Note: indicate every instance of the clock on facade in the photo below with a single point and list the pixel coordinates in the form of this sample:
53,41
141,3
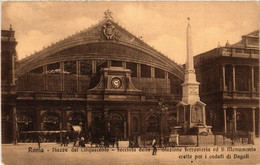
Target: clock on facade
116,83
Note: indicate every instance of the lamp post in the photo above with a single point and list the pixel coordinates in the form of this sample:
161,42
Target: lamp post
163,112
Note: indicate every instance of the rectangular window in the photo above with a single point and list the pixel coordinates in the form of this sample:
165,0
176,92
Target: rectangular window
238,50
253,41
133,67
37,70
247,51
86,67
70,67
229,50
54,68
116,63
145,71
101,64
159,73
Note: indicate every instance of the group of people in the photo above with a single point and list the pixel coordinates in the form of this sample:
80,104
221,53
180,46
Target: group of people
104,142
80,142
65,140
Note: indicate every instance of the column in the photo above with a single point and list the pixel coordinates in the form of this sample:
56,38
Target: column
124,130
139,74
64,122
235,118
13,70
153,76
161,124
224,77
62,75
225,119
38,120
129,122
78,73
94,66
107,126
60,130
258,123
253,119
41,125
166,79
252,79
234,78
178,115
45,76
139,70
14,125
108,63
89,118
152,72
124,64
204,115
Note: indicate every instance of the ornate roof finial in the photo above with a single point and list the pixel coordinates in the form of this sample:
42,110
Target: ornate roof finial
108,14
219,45
10,27
227,44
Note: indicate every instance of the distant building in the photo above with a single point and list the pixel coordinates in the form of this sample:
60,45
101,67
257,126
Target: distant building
8,102
229,78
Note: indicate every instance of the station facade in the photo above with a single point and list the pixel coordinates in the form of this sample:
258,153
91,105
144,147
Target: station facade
102,81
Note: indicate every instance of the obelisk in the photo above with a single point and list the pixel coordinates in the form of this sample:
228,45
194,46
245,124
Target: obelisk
190,87
191,116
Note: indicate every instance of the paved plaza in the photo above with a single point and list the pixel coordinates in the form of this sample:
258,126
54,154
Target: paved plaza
27,153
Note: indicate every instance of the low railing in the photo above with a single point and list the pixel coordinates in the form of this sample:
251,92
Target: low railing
50,95
240,94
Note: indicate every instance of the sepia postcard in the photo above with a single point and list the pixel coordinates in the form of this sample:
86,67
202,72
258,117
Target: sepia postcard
130,82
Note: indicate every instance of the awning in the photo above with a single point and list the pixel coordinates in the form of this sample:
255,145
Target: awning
76,128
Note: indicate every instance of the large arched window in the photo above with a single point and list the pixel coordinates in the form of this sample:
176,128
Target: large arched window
51,121
77,121
117,125
24,122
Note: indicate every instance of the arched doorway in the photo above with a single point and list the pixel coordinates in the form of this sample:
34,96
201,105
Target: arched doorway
25,124
153,125
97,128
117,126
77,121
51,126
51,121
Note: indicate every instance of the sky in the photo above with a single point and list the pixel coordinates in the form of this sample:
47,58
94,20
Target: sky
160,24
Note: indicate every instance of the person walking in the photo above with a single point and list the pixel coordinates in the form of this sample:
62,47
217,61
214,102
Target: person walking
154,146
82,142
63,141
67,140
162,142
39,141
76,142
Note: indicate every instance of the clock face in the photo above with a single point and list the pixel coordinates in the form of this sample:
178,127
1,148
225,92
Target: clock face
116,82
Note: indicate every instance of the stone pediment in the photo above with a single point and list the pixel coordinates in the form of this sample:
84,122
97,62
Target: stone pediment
110,31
